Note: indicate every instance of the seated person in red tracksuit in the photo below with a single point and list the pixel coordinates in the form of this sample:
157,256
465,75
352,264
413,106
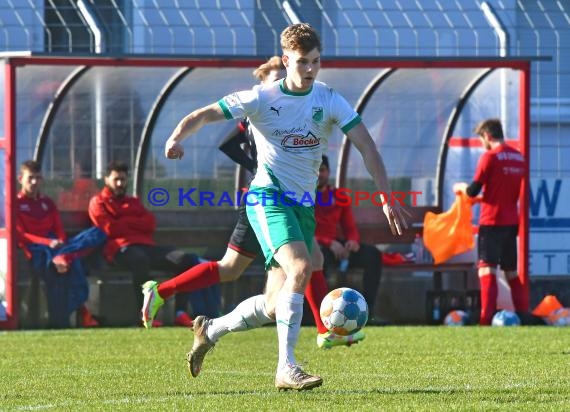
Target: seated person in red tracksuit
130,227
54,258
338,237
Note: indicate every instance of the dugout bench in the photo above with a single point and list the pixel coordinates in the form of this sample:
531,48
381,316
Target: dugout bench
206,232
111,299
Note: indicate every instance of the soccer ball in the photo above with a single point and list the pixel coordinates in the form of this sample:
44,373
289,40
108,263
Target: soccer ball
344,311
506,318
560,317
456,318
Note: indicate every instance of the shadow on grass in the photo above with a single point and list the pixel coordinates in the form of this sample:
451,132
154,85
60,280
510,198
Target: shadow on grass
320,390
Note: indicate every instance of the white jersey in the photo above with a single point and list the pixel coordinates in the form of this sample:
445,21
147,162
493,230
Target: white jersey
291,132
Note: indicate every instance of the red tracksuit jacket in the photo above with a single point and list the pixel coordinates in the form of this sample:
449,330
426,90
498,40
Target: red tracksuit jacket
124,220
37,221
334,221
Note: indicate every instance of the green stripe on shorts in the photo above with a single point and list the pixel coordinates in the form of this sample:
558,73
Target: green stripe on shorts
277,220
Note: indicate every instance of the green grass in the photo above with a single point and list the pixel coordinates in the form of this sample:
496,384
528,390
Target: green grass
395,368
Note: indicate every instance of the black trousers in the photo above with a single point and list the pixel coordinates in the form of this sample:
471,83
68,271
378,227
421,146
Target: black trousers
141,259
368,258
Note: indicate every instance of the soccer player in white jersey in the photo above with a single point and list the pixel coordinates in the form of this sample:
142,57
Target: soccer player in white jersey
242,248
292,121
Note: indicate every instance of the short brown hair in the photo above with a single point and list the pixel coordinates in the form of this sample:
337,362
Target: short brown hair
491,126
274,63
117,166
31,166
300,37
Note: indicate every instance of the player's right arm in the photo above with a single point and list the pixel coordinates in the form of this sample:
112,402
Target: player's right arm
189,125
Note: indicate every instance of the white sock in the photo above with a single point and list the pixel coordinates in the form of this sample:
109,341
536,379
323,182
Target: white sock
249,314
288,314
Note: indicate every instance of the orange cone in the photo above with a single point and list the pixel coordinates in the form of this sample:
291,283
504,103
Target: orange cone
548,305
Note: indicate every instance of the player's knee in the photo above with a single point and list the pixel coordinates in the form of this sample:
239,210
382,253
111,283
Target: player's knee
302,271
232,265
270,303
229,273
317,260
270,310
485,269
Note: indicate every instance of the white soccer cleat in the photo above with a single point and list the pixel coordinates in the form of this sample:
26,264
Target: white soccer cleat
294,378
202,345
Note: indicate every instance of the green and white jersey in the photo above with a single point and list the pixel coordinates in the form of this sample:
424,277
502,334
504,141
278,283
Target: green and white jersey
291,132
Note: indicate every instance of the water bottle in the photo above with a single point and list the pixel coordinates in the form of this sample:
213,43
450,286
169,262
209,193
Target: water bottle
436,312
341,273
343,266
418,249
426,254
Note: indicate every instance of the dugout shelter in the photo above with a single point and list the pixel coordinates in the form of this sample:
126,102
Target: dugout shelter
74,114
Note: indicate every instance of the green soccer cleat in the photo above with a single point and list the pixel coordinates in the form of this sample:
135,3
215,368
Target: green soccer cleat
151,304
329,340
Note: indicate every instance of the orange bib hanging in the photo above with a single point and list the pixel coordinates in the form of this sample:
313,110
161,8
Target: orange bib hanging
449,233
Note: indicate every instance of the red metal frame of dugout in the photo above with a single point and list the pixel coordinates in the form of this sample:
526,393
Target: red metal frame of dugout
9,141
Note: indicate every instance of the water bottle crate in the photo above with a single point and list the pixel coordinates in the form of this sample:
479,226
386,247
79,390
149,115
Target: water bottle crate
440,302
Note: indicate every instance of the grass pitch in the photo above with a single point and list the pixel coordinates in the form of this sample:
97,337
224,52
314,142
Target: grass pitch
395,368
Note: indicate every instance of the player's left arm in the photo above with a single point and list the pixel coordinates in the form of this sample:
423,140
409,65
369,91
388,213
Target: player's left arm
361,139
481,176
189,125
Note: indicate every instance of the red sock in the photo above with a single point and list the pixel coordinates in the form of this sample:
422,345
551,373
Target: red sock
316,290
518,294
83,311
87,320
489,293
197,277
